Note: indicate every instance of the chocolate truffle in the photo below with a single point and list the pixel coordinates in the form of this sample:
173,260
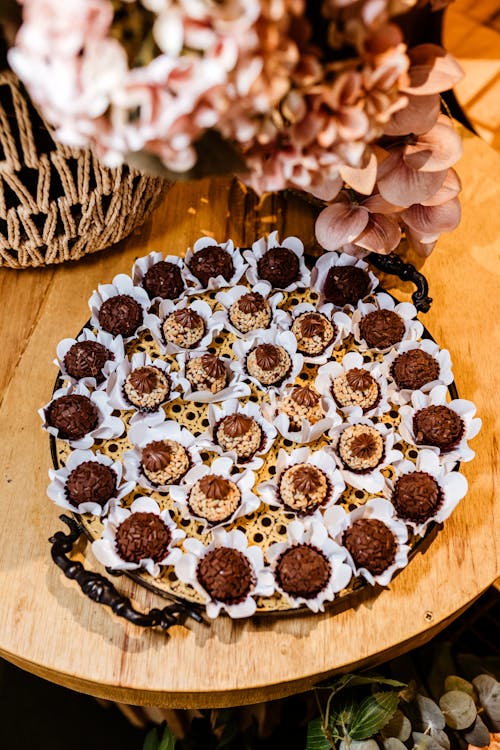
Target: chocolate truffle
356,387
303,571
226,575
249,312
142,536
361,448
314,333
207,373
438,425
184,327
382,329
211,262
371,544
73,415
414,368
346,285
120,314
303,488
280,266
301,403
269,364
164,461
240,434
85,359
214,498
90,481
164,280
416,496
147,388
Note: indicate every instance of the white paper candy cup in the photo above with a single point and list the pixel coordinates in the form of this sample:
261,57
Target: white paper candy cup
236,388
341,321
57,487
308,432
279,318
105,550
244,480
107,425
337,520
402,396
213,323
382,301
142,266
216,282
311,532
331,259
329,372
285,339
263,585
117,380
121,284
113,343
260,248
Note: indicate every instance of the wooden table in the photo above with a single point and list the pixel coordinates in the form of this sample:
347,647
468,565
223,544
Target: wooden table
49,628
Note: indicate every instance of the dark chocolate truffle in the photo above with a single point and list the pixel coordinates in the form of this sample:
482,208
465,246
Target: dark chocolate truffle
142,536
120,314
382,328
90,481
346,285
226,575
211,262
414,368
73,415
416,496
85,359
303,571
280,266
164,280
371,544
438,425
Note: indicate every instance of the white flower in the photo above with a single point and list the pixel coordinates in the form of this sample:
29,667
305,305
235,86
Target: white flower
212,323
261,246
279,318
260,584
327,261
401,396
452,487
406,311
57,487
284,339
321,459
337,520
339,320
352,360
235,387
222,466
312,534
117,380
308,432
107,426
142,266
107,552
437,397
215,282
121,285
113,343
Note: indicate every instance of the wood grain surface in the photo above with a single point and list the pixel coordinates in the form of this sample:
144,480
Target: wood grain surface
49,628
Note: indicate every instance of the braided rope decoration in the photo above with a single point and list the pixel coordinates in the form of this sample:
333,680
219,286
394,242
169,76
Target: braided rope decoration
59,203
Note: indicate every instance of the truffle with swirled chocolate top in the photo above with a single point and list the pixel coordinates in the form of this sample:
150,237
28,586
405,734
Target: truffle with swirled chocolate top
303,488
184,327
147,388
356,387
250,311
269,364
301,403
207,373
164,462
214,498
361,448
314,333
239,434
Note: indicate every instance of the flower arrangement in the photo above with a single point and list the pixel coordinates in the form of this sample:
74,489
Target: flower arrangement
322,97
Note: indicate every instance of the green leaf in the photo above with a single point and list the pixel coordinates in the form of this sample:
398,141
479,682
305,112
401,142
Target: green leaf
356,680
151,741
372,714
168,739
316,739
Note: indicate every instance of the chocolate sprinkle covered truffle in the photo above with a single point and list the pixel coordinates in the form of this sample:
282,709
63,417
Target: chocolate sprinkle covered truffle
85,359
184,327
438,425
164,461
303,488
120,314
414,369
416,496
147,388
371,544
314,333
207,373
164,279
301,403
90,481
214,498
210,262
382,329
361,448
346,285
249,312
226,575
303,571
142,536
269,364
280,266
73,415
356,387
240,434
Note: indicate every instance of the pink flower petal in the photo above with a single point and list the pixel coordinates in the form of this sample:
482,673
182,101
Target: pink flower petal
421,247
432,70
399,184
328,189
436,150
362,180
339,224
419,116
378,205
381,235
428,220
449,189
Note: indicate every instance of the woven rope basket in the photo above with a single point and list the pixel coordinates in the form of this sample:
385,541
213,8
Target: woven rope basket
59,203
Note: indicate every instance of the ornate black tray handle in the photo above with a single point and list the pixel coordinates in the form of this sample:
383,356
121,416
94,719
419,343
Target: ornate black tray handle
99,589
394,265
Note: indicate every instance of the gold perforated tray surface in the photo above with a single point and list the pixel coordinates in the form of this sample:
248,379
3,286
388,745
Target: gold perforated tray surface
267,524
